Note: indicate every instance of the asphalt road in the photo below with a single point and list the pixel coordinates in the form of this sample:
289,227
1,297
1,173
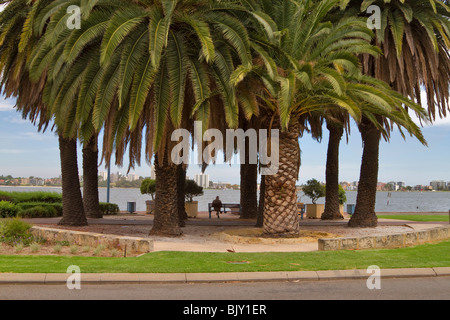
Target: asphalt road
428,288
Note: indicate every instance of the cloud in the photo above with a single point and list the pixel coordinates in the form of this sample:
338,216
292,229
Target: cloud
4,106
439,122
12,151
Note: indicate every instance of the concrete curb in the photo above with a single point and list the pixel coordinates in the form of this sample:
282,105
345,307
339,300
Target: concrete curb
141,278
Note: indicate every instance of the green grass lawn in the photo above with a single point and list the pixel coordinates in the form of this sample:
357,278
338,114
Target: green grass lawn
427,255
415,217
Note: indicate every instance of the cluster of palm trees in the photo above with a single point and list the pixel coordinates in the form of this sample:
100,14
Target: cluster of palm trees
136,70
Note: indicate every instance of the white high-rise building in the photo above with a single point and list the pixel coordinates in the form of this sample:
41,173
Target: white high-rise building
104,175
132,177
202,180
152,172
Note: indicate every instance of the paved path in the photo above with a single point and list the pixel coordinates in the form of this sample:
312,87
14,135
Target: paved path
226,220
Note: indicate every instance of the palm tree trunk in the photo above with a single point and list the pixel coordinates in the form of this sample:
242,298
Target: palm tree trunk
365,216
181,182
73,211
280,204
249,189
90,180
332,211
166,222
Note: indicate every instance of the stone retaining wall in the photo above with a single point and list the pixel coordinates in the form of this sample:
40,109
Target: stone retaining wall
398,240
132,244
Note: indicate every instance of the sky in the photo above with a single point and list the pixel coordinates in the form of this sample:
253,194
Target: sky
24,152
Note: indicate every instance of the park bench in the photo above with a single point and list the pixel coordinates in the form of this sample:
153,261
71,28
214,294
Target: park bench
233,208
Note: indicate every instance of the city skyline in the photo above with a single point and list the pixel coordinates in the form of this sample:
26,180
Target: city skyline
25,152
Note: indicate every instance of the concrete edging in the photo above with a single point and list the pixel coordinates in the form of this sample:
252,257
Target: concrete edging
148,278
398,240
132,244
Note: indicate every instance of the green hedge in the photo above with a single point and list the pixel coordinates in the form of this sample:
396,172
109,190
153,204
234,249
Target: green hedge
34,196
38,212
39,204
57,207
8,209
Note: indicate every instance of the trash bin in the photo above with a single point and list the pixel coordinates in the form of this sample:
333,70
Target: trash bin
350,209
131,207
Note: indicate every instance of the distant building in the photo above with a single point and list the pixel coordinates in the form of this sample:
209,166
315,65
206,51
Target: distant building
438,185
103,175
401,184
202,180
132,177
221,185
152,172
381,186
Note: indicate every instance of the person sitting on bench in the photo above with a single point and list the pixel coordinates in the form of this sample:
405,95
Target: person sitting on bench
217,205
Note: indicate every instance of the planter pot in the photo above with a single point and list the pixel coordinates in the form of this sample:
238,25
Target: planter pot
191,209
150,204
314,211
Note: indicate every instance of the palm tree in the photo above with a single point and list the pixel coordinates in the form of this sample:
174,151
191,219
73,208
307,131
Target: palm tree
143,67
414,38
16,45
336,131
308,64
303,57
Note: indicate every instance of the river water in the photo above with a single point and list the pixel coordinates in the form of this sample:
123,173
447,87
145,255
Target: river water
398,202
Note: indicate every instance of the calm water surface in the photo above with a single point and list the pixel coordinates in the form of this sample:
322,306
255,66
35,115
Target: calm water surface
398,202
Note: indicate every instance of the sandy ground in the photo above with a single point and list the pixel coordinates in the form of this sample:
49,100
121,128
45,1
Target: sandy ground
214,238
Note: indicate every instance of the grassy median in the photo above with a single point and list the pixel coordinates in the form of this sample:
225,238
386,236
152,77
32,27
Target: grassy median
427,255
416,217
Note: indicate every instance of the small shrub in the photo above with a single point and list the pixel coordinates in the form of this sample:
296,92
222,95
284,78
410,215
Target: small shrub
314,190
191,190
148,186
38,212
57,248
63,243
109,208
73,249
18,247
15,231
99,249
35,247
114,252
8,209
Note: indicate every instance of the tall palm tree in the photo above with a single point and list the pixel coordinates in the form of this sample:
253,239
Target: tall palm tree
17,43
307,64
143,67
414,38
302,56
336,132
